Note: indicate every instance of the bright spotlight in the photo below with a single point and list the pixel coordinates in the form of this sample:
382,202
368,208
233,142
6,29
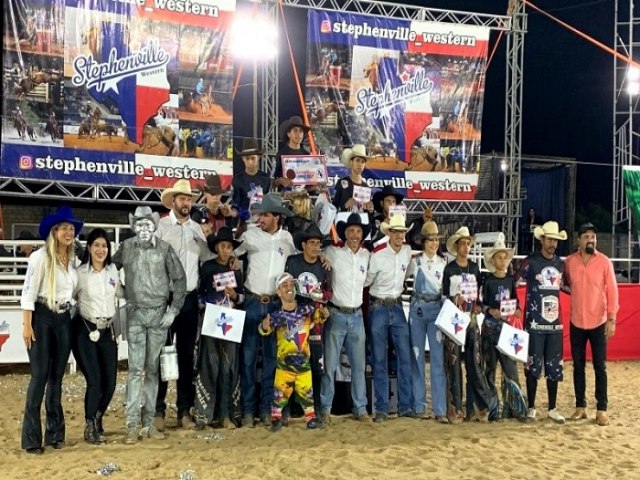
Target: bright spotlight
633,81
503,165
253,38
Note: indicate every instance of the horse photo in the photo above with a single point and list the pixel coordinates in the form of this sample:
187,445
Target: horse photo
159,140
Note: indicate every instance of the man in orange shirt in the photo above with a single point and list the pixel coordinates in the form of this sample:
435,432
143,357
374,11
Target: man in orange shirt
594,303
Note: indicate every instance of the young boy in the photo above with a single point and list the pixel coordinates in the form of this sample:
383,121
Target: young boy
498,290
216,360
292,324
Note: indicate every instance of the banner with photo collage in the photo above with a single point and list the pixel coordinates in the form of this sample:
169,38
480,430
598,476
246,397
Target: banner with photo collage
410,91
114,92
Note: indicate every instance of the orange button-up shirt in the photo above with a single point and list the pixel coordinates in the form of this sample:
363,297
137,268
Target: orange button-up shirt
594,291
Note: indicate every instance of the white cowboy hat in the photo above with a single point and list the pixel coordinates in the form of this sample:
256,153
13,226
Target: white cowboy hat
181,187
550,229
349,154
498,246
396,223
462,232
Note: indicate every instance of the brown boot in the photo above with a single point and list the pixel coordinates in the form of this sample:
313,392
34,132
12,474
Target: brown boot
601,418
579,414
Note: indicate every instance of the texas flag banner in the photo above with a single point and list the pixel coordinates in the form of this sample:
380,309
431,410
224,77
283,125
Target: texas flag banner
410,91
223,323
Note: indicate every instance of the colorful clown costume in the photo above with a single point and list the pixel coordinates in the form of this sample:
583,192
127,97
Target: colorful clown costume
293,367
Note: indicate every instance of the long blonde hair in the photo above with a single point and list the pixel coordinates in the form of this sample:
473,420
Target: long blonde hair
51,252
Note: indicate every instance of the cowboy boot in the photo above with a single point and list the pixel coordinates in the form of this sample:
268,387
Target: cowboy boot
98,424
90,433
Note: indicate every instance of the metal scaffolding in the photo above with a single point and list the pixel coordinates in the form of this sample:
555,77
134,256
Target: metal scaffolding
626,118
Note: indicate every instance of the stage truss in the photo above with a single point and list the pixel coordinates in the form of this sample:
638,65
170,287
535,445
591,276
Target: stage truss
626,120
508,208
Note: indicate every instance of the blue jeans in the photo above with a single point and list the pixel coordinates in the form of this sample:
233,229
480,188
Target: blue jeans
251,339
422,323
384,321
343,329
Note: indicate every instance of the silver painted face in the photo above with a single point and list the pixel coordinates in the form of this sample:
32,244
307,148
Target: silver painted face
144,229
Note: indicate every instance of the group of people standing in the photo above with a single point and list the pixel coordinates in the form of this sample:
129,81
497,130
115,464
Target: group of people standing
305,301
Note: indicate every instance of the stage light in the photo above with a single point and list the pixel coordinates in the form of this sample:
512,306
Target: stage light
503,165
633,81
253,38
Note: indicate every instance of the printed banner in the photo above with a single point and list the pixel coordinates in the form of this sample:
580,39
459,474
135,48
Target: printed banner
115,92
410,91
632,189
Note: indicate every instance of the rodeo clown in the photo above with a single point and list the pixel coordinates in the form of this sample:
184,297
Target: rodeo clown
151,266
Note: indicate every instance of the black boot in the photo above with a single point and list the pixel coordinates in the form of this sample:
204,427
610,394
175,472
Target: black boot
90,433
98,423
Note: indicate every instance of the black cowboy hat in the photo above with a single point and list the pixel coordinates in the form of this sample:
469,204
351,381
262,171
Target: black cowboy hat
250,146
26,235
225,234
353,220
387,191
213,185
302,236
288,124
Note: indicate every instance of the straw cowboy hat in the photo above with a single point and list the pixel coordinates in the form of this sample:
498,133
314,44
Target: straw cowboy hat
272,203
498,246
462,232
387,191
181,187
429,230
142,213
302,236
213,185
62,215
396,224
354,220
550,229
349,154
250,146
225,234
288,124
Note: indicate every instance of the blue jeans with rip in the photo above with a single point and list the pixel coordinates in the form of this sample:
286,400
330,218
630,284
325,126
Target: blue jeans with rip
344,329
422,324
386,320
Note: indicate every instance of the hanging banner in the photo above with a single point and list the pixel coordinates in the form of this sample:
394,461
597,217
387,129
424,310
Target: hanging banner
632,189
410,91
114,92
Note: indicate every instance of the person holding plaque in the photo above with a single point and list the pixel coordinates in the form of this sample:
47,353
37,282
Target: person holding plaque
352,192
292,132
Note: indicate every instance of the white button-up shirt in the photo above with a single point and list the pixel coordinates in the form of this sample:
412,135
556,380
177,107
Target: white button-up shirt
432,269
189,243
388,271
267,254
349,272
96,291
36,285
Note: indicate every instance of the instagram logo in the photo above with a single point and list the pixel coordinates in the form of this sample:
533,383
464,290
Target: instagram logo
325,26
26,163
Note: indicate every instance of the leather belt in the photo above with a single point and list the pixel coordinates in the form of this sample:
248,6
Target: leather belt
387,302
347,310
58,307
264,299
427,298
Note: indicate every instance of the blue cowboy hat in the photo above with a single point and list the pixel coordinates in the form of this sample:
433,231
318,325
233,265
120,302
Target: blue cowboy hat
62,215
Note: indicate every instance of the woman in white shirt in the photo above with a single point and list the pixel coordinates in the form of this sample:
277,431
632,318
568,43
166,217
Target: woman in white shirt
45,302
93,338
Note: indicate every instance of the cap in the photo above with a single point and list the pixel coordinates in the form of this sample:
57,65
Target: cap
585,227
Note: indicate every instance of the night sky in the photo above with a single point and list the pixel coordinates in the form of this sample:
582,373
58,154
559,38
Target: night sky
568,86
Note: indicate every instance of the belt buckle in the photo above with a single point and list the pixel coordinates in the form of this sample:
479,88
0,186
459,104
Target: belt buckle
264,299
389,302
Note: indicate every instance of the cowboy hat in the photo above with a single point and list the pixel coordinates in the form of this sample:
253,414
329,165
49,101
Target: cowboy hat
396,224
550,229
225,234
288,124
62,215
26,235
302,236
181,187
354,220
387,191
213,185
429,230
462,232
250,146
272,203
142,213
498,246
349,154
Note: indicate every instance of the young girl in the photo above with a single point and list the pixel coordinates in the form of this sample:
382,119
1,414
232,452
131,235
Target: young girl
46,302
93,339
217,360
